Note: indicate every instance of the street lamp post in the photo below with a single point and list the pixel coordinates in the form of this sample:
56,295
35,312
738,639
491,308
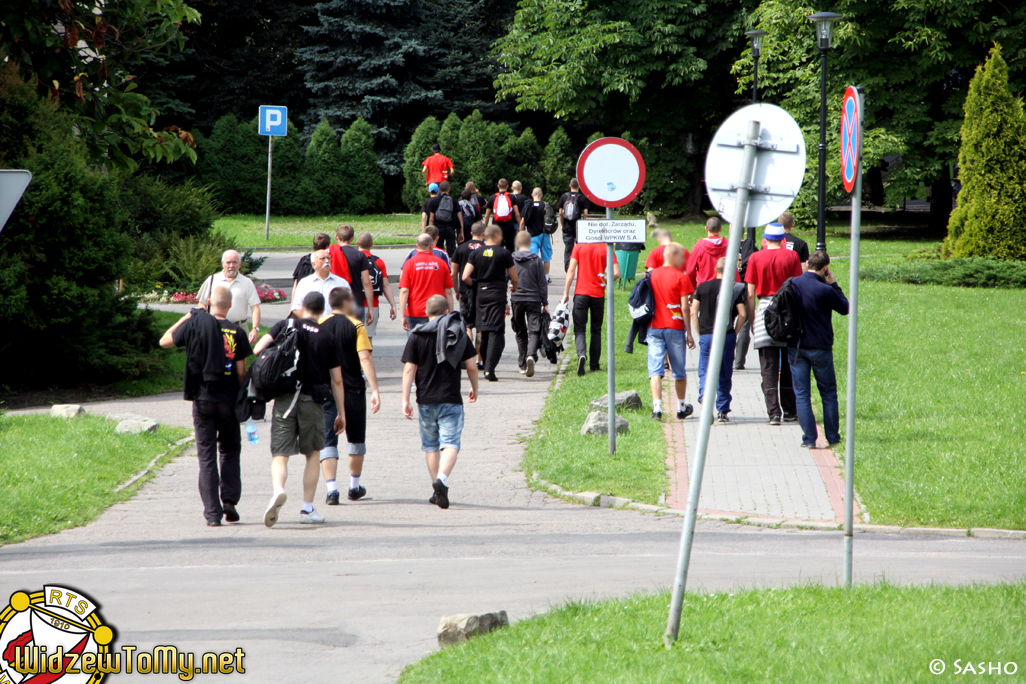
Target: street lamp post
824,22
756,37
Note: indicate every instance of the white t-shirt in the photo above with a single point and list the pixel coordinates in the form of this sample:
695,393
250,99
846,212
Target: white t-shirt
244,295
313,283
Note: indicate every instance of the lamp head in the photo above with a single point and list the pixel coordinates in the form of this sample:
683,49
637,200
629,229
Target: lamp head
824,22
756,37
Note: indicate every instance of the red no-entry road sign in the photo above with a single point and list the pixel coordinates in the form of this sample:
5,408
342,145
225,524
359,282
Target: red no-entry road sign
611,172
851,137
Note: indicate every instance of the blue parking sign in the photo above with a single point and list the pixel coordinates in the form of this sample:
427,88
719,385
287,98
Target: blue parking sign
273,120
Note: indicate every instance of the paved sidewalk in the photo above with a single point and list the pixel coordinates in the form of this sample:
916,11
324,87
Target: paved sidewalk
754,469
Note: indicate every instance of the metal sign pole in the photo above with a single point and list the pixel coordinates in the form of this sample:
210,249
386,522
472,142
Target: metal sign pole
853,326
267,214
723,303
611,339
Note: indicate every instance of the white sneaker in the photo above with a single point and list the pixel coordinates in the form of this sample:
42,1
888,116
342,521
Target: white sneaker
271,514
311,518
523,371
530,367
548,279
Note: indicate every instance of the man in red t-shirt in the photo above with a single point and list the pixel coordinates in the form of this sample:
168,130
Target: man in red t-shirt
366,243
767,270
588,267
670,329
702,262
423,275
656,257
437,167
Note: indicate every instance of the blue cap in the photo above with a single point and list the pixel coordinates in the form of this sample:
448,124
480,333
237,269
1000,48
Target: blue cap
433,187
773,232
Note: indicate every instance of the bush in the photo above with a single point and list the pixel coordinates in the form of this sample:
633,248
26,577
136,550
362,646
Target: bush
990,220
153,205
364,187
417,150
449,141
558,164
522,156
934,253
322,169
972,272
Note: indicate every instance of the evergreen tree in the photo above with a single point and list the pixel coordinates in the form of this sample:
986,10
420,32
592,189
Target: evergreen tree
288,196
365,190
322,171
417,150
990,220
367,58
231,165
522,157
474,147
449,140
558,164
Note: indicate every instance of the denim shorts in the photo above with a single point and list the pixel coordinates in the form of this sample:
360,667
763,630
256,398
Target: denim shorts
441,426
542,246
662,343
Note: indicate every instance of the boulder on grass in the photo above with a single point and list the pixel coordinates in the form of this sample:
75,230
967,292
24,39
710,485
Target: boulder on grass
66,411
597,423
454,629
629,400
135,427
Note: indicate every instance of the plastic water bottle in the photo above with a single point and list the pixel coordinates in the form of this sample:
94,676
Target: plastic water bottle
251,432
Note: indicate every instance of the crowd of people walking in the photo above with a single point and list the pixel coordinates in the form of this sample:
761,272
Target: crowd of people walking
477,263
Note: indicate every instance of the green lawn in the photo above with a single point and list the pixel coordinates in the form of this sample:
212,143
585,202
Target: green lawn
871,633
298,231
559,453
61,473
941,416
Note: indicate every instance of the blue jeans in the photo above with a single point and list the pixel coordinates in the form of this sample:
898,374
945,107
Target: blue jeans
726,369
805,363
663,343
441,426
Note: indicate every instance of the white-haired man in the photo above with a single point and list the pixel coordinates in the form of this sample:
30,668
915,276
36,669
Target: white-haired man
245,300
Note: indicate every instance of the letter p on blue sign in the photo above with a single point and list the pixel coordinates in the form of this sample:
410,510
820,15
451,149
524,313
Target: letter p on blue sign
273,120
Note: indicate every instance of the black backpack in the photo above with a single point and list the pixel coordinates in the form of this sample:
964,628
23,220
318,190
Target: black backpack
571,208
376,277
275,371
745,253
446,207
469,211
642,300
551,225
783,317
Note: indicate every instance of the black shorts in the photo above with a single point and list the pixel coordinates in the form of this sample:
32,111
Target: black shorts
356,422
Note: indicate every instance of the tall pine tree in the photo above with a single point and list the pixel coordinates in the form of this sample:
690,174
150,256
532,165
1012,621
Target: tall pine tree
365,190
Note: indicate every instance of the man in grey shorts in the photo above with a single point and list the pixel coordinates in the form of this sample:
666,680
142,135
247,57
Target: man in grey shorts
297,423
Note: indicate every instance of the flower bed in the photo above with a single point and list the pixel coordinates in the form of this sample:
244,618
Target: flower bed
267,294
270,294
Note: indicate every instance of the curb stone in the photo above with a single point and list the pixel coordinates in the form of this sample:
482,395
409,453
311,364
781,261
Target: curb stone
156,459
936,531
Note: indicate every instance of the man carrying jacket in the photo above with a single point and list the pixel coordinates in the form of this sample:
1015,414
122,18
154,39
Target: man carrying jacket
529,300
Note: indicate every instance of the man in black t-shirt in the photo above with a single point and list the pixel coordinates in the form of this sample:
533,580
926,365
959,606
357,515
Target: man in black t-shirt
297,423
358,266
571,207
703,317
793,242
218,349
433,192
502,207
491,267
444,212
440,405
466,293
305,265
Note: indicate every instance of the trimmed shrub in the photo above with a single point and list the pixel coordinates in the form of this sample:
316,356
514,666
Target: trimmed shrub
972,272
449,140
474,147
364,187
322,170
152,205
558,162
234,164
990,220
417,150
521,156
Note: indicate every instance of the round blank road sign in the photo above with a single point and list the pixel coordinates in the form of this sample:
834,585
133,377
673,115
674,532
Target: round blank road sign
611,172
779,164
851,134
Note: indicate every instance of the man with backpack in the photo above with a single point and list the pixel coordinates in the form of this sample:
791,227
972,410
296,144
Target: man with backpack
379,280
571,207
297,423
355,348
476,200
350,264
536,212
503,209
817,295
669,332
530,299
492,269
305,265
703,314
444,212
437,376
432,193
321,281
519,198
245,299
437,167
767,270
466,293
215,364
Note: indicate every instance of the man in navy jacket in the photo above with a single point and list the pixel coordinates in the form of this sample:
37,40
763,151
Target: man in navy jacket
818,296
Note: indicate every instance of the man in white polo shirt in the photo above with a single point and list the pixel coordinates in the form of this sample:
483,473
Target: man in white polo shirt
244,295
322,280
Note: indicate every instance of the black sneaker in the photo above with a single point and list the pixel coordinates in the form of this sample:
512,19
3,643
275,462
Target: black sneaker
722,417
358,493
774,420
480,366
658,415
686,411
332,499
741,367
581,360
790,418
490,377
230,513
441,494
433,499
213,523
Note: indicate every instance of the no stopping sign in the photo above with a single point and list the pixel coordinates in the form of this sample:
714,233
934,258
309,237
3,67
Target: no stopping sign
611,172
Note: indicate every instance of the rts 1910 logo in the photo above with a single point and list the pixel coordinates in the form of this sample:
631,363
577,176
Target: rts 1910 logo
56,634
